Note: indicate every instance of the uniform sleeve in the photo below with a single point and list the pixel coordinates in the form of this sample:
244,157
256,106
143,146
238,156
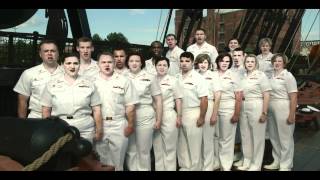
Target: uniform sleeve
95,98
177,89
46,97
265,83
23,85
291,83
202,87
131,96
155,87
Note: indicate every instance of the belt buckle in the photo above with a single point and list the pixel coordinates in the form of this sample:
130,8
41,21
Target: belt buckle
69,117
108,118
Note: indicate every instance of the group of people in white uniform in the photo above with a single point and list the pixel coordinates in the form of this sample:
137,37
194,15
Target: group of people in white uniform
185,105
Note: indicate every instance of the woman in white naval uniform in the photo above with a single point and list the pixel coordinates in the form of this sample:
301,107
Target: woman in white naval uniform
264,59
73,98
119,98
281,117
229,110
165,139
256,87
210,144
148,114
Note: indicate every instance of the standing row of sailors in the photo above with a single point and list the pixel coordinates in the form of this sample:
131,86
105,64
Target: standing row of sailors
185,105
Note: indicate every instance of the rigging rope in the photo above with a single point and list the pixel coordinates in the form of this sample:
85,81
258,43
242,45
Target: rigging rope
159,24
305,39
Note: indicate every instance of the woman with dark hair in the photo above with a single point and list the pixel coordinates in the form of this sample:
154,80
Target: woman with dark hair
229,110
148,113
73,98
165,139
233,43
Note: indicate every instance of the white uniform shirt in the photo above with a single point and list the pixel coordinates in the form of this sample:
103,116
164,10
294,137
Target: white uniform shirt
204,49
282,85
146,85
174,57
213,83
150,67
70,100
265,64
255,84
171,90
123,71
240,71
116,93
32,83
230,83
91,71
194,87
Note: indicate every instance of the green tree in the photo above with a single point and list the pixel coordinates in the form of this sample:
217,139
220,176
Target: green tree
117,38
96,37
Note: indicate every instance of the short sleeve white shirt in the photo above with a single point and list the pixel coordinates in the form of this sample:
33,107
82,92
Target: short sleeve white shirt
265,64
282,85
170,90
174,56
116,93
146,85
32,83
204,49
74,100
255,84
230,83
194,87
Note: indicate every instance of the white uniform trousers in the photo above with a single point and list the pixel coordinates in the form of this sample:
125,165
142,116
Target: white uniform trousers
140,142
208,150
35,114
165,142
113,147
227,133
252,133
190,141
281,134
216,145
85,125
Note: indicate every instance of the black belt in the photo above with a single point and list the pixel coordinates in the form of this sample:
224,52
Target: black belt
69,117
108,118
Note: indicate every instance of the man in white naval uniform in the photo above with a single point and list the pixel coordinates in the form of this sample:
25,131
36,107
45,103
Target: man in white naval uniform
118,97
194,108
33,80
202,47
119,55
88,66
173,54
156,51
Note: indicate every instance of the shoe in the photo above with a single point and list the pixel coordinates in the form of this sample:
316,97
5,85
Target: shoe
216,168
253,169
272,166
284,169
238,163
243,168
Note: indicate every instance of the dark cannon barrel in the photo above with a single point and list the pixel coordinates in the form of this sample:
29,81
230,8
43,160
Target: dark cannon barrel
26,140
13,17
